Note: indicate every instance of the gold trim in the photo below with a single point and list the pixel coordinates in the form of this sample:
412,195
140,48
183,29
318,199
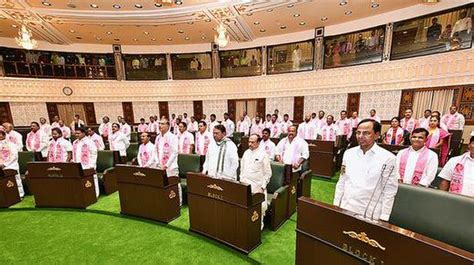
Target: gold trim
139,174
88,184
53,168
254,216
293,190
172,194
10,184
363,237
215,187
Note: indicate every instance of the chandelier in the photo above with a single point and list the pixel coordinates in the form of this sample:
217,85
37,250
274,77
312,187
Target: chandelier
222,38
25,39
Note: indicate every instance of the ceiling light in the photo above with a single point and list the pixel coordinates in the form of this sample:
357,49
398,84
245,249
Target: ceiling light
324,18
146,33
153,39
116,6
249,14
208,20
222,38
134,39
187,38
94,6
270,10
158,5
203,37
302,23
72,31
46,3
15,26
180,31
98,38
109,33
262,30
296,15
116,39
283,27
374,5
169,39
256,23
290,6
25,39
348,12
178,2
343,2
138,6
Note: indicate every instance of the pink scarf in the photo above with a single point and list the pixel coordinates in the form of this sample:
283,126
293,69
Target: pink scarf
59,152
346,127
166,150
274,130
434,138
458,175
354,122
5,153
451,120
142,128
144,155
33,137
408,125
206,144
295,148
306,133
419,167
112,138
332,133
106,130
12,139
85,153
398,135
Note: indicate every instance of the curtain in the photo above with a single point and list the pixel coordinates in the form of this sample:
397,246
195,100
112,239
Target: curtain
240,107
67,112
251,108
439,100
421,102
442,100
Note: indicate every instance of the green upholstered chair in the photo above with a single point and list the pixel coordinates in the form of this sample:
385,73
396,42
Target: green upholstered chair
437,181
283,135
237,137
277,197
304,180
188,163
106,160
436,214
134,137
73,137
132,152
23,158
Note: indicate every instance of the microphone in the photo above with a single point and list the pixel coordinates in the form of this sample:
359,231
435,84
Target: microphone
381,192
384,166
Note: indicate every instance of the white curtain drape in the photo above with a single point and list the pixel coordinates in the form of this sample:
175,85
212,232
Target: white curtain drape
439,100
421,102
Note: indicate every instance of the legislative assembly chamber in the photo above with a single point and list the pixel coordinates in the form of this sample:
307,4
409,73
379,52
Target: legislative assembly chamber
237,132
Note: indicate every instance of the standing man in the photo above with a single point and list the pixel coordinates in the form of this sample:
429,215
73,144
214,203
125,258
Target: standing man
319,121
307,130
408,123
213,123
119,142
229,125
45,127
255,170
453,120
166,145
285,123
354,119
373,116
344,125
59,149
77,123
66,131
105,127
125,128
243,126
193,125
292,150
222,159
98,141
330,131
458,173
275,127
152,125
247,118
55,121
142,127
146,152
368,181
85,152
9,160
13,136
36,140
267,144
203,139
185,139
425,121
417,165
257,126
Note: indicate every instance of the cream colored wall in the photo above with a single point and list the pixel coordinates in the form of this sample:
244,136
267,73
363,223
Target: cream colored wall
111,109
180,107
331,104
283,104
23,113
217,107
386,103
145,109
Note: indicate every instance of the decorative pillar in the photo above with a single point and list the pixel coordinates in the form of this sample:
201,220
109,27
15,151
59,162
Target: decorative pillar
387,49
119,64
318,48
216,65
169,66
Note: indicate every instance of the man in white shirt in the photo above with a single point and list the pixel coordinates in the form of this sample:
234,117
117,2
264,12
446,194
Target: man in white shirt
76,123
36,140
142,127
59,149
66,131
257,126
166,145
292,150
13,136
453,120
185,118
425,121
330,132
185,139
275,127
203,139
307,130
9,160
45,127
268,145
193,125
285,123
85,152
458,173
344,125
222,159
408,123
147,152
247,118
462,27
417,164
320,120
212,124
255,170
277,113
368,182
125,128
152,125
97,139
105,128
268,121
119,142
243,126
229,125
354,120
55,121
373,116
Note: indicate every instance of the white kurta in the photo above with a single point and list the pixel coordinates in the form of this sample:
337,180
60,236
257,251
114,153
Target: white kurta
307,130
126,130
211,126
55,125
17,139
345,127
185,140
9,158
275,130
454,121
424,122
243,127
105,129
193,126
229,127
468,179
361,177
58,149
167,152
85,152
37,142
66,132
46,128
142,127
203,140
429,173
329,132
153,127
119,142
409,124
285,125
257,129
292,152
375,118
147,155
98,141
224,167
269,147
318,123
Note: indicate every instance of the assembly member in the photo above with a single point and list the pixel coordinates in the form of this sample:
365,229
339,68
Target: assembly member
368,181
255,169
222,159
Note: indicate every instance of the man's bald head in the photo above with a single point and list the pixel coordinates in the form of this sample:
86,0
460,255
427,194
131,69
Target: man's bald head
254,141
8,126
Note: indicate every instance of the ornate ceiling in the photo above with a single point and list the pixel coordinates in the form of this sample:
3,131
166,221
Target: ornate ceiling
141,22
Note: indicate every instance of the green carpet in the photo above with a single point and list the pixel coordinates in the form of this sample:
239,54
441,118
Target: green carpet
101,235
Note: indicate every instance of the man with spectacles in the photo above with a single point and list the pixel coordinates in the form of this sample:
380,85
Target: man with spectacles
368,181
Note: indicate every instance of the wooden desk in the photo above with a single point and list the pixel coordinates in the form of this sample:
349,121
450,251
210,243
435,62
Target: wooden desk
225,211
148,193
61,184
326,234
322,158
9,194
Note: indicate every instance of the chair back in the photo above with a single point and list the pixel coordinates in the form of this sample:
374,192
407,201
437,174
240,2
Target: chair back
188,163
278,177
105,159
23,158
132,151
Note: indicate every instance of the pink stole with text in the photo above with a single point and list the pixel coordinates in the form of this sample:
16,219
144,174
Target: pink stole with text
398,136
419,167
458,175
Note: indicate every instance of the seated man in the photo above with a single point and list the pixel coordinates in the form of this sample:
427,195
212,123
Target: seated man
417,164
146,152
458,173
368,182
9,159
268,145
292,150
97,139
255,169
59,149
185,139
222,159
